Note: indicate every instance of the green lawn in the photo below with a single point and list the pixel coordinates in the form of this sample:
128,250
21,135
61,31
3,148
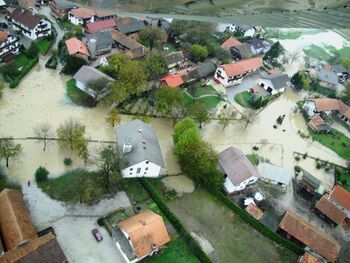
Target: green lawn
197,90
253,158
317,52
5,183
43,45
79,186
210,101
170,46
175,252
77,96
335,141
343,178
65,24
233,240
134,190
242,99
21,60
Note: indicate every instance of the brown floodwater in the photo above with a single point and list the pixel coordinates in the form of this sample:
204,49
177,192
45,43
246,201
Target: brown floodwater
41,97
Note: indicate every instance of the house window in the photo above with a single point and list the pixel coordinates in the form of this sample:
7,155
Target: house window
146,168
138,170
147,162
130,169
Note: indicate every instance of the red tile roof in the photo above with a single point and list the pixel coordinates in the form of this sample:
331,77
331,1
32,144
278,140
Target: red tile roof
341,196
75,46
308,258
174,80
327,104
100,25
230,42
332,211
83,12
242,67
3,36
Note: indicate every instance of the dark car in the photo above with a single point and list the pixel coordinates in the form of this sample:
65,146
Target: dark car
97,235
3,25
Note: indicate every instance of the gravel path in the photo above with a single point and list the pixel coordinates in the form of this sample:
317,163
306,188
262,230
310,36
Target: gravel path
73,225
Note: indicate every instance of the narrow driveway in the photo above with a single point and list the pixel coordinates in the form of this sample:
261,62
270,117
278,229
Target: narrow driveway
73,225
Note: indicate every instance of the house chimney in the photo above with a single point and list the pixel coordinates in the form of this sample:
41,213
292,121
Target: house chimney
127,146
92,47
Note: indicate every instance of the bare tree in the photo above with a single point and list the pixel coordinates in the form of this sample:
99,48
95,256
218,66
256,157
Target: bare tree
225,117
249,116
293,55
109,163
43,132
113,117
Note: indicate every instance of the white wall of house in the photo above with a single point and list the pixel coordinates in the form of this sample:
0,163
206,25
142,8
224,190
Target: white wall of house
344,118
9,45
142,169
43,29
231,188
79,21
267,85
250,32
310,108
222,77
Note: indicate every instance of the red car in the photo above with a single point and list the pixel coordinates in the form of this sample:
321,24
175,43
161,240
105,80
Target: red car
97,235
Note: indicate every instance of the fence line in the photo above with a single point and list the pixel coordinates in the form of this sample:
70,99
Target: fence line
52,139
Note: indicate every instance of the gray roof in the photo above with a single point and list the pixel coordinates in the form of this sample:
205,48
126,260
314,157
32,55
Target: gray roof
145,145
87,73
236,165
327,76
256,43
203,70
63,4
103,38
174,57
244,50
275,173
279,81
124,40
339,69
130,27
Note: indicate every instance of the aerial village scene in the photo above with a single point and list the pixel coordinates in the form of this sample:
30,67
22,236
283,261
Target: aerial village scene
147,139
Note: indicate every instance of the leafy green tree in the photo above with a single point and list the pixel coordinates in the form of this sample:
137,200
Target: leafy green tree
198,53
346,95
249,116
130,75
171,102
8,149
183,125
197,158
108,162
33,50
1,88
301,80
98,87
201,113
275,51
155,64
194,32
71,135
223,55
73,64
41,174
77,31
113,117
43,132
151,36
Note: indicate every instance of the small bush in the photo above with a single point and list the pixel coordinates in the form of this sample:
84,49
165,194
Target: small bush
275,126
100,221
41,174
304,155
297,158
327,168
255,148
280,119
318,165
297,169
67,161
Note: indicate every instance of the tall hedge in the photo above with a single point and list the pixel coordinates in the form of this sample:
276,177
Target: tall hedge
189,240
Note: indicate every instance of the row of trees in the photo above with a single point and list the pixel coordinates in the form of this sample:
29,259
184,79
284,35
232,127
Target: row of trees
197,158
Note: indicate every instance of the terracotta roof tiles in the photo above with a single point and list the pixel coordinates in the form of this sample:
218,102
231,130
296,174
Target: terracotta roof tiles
341,196
230,42
100,25
75,46
330,210
242,67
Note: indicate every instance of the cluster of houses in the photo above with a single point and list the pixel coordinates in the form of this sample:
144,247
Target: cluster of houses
333,206
329,76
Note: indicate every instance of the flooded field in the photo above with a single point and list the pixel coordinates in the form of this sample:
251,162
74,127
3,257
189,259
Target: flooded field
41,97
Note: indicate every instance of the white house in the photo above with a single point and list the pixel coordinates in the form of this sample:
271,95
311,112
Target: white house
8,44
272,174
139,150
233,73
29,24
275,83
247,31
82,16
140,236
239,171
86,74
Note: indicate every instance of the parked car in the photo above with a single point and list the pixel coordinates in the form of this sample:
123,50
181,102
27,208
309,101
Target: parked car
97,235
3,25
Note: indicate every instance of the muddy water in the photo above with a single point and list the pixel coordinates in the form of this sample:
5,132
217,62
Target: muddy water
180,183
41,97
